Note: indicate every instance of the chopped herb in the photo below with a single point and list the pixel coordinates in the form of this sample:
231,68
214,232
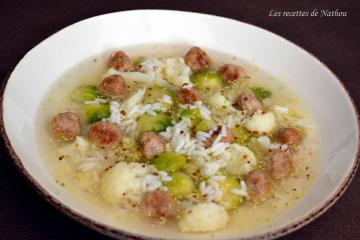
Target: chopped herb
138,61
261,93
60,183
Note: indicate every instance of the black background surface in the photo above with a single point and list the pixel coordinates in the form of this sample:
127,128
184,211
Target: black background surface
23,24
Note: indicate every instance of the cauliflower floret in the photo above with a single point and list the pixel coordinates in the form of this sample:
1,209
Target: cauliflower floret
203,217
151,65
176,71
123,181
261,122
239,160
219,101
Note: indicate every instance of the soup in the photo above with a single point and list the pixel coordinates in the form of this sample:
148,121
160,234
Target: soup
176,139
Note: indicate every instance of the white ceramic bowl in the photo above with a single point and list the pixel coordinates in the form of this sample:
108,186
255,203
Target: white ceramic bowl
44,64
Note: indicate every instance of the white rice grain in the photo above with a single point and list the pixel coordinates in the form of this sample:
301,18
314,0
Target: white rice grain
242,191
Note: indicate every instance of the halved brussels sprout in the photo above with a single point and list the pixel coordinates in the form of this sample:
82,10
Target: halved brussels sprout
206,80
193,114
241,135
85,93
198,124
180,185
230,200
96,112
156,123
169,161
155,93
203,126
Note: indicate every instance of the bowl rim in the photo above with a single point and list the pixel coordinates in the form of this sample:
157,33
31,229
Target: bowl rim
116,232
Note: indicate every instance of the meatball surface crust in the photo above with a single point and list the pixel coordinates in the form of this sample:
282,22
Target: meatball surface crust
231,72
188,95
249,103
152,144
66,126
259,186
289,136
113,86
197,59
120,61
279,164
105,133
159,203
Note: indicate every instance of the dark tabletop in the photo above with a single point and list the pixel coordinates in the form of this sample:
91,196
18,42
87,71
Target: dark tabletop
334,40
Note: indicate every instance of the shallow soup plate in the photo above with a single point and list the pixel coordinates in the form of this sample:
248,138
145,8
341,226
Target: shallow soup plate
41,67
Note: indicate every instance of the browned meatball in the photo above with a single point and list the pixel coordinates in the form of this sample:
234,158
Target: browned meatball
228,138
188,95
105,133
159,203
289,136
152,144
113,86
258,185
197,59
249,103
120,61
231,72
279,164
66,125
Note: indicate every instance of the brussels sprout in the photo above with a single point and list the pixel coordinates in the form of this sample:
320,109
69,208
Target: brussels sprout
193,114
85,93
180,185
261,93
169,161
156,123
154,94
203,126
241,135
96,112
208,79
230,200
198,124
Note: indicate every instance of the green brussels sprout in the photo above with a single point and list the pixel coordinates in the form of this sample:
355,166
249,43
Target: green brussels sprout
154,94
169,161
206,80
156,123
193,114
96,112
261,93
230,200
198,124
85,93
241,135
203,126
180,185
